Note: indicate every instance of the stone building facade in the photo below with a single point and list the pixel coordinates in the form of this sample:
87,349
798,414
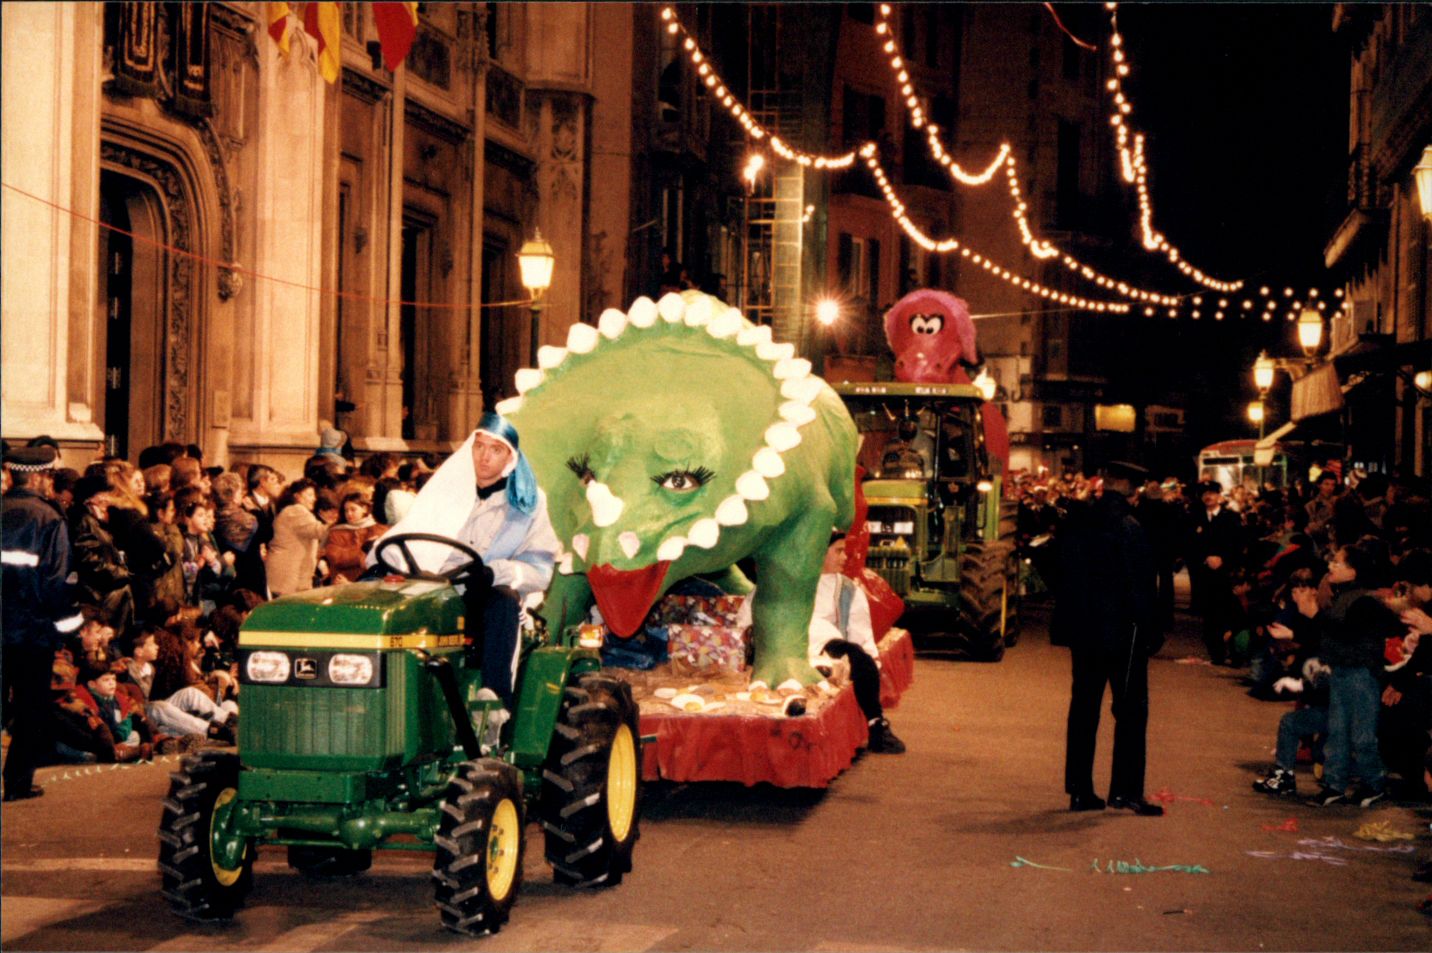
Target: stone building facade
206,242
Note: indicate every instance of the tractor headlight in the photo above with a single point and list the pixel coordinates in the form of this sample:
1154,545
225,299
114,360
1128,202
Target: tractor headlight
270,667
347,669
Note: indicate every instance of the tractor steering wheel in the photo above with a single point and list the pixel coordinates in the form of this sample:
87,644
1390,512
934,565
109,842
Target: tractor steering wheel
457,574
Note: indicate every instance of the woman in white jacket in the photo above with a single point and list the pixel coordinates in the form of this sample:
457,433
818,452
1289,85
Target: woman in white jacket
298,535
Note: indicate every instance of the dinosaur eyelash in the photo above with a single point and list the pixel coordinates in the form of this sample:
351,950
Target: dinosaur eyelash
581,466
683,481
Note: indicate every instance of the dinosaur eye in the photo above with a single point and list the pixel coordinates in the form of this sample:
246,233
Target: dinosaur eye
581,466
683,481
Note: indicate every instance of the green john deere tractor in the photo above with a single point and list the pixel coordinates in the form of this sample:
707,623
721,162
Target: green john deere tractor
365,727
940,531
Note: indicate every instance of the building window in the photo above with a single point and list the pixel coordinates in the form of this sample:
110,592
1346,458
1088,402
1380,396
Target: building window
862,116
861,12
1052,416
1066,198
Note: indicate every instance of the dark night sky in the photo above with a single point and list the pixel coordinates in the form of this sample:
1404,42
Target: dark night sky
1245,109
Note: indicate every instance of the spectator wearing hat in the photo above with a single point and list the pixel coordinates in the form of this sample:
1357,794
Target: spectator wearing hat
1105,612
39,612
1214,548
102,578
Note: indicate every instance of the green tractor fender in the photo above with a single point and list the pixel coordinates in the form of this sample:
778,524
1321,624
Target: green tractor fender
541,679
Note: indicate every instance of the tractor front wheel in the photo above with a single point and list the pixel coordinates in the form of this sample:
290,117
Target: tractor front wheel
206,873
478,863
591,787
984,589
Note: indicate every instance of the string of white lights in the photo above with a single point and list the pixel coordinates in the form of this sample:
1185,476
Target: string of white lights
946,246
721,90
1133,165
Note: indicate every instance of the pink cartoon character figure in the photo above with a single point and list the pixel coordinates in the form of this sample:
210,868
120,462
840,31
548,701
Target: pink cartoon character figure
933,337
931,334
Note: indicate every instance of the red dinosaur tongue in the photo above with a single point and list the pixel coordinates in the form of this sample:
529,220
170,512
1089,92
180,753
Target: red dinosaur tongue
626,595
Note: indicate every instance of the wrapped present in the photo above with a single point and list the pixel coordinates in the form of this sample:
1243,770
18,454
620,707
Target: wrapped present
699,610
719,646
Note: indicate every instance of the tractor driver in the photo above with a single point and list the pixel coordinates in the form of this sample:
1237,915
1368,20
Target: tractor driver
485,496
905,457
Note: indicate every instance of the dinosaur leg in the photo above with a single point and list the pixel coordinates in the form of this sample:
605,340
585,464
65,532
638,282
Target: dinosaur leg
787,573
569,599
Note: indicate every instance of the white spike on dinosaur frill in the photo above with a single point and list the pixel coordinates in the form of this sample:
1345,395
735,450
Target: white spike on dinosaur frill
732,512
790,685
782,437
580,542
549,357
726,323
630,543
612,323
752,486
805,390
509,406
642,313
793,368
768,463
564,565
671,549
606,507
581,338
527,378
772,351
754,336
698,313
671,307
797,413
704,533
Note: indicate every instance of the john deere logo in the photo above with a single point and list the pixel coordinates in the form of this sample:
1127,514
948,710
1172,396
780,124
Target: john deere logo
305,668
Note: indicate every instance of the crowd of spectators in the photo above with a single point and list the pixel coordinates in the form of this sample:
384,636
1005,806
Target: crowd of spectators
165,557
1319,591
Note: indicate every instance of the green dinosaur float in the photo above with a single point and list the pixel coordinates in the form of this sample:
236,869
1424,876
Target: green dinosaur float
673,440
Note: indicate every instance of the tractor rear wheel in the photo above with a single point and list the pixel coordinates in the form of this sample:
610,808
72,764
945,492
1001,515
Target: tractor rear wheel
478,862
328,861
591,784
984,581
199,884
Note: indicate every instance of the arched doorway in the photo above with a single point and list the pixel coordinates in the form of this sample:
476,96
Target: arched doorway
133,300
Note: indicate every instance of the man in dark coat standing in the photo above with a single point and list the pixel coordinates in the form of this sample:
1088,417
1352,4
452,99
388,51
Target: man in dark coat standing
1105,612
1215,546
39,612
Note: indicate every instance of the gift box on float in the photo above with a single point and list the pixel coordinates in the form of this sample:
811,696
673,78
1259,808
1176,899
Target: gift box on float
720,646
698,610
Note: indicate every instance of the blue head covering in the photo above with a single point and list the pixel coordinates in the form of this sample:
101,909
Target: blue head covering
521,481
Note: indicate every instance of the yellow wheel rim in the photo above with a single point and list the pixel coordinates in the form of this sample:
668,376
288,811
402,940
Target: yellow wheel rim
621,784
503,842
225,876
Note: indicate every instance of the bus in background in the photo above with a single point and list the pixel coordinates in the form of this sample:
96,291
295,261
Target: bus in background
1231,463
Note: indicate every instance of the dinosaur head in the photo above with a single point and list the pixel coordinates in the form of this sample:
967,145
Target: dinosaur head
931,333
651,433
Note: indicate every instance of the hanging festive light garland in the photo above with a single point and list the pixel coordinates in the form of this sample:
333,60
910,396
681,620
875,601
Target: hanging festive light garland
719,88
1134,166
1041,249
949,245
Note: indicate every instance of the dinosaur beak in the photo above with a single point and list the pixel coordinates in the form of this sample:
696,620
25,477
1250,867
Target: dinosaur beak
625,596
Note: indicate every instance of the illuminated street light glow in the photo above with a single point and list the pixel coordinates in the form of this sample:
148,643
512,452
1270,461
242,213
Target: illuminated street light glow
827,311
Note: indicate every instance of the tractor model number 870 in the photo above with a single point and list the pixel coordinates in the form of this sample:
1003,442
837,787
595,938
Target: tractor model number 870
365,727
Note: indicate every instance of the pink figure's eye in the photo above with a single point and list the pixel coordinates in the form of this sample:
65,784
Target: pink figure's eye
927,323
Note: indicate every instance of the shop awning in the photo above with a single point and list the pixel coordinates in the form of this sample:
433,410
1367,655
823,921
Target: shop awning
1317,392
1263,449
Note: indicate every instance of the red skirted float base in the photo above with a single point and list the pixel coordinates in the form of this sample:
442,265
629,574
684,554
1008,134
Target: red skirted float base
802,752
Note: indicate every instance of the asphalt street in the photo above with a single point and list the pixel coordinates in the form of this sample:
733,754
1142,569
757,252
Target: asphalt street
964,842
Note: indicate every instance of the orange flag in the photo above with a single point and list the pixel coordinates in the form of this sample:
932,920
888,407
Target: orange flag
278,25
324,22
397,26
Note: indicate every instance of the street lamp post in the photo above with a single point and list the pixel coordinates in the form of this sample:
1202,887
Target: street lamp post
1263,371
1310,331
536,262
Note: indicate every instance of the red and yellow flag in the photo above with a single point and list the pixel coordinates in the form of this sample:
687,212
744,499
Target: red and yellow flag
397,26
278,25
324,22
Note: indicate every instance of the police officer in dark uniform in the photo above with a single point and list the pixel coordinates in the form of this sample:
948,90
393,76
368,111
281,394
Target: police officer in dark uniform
39,612
1105,612
1215,545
